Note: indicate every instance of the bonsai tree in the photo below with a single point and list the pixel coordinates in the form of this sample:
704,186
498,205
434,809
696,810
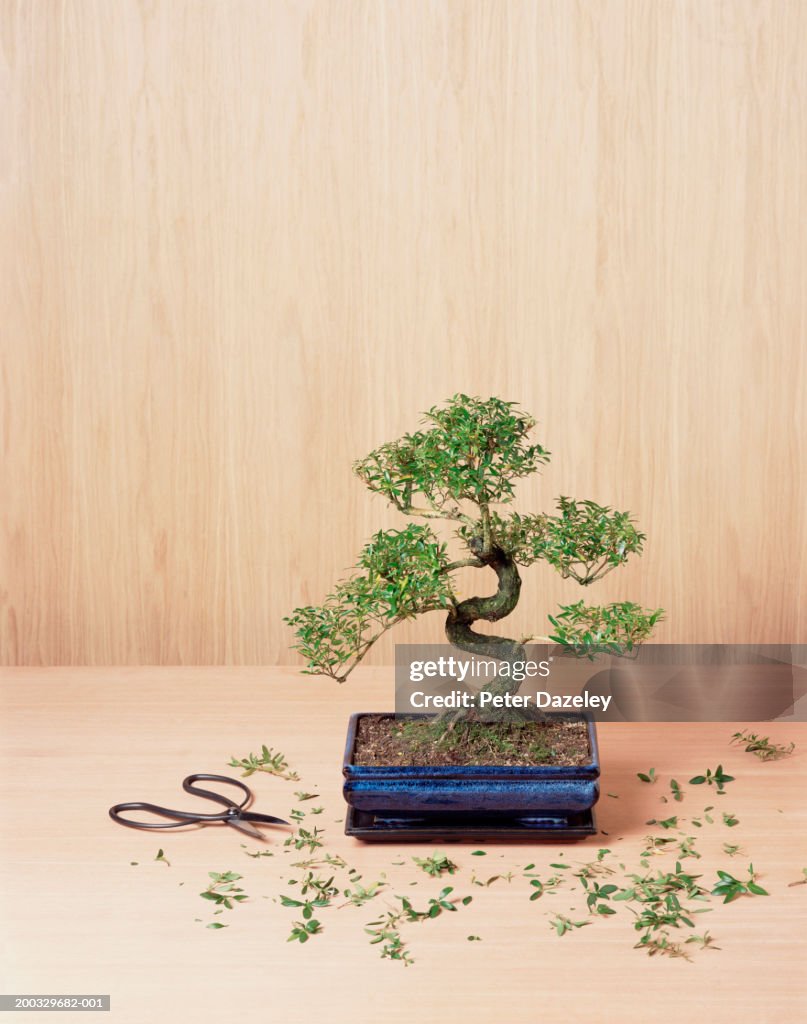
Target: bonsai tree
463,463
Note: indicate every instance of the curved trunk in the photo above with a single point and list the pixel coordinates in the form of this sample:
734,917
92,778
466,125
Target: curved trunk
490,609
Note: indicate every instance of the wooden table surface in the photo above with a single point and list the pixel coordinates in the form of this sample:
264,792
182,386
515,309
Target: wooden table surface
78,917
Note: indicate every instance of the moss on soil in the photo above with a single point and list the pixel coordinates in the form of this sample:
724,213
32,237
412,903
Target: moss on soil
385,740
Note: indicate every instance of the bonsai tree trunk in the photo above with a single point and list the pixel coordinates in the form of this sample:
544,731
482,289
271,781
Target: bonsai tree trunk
459,632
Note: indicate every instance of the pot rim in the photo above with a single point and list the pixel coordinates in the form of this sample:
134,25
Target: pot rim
590,770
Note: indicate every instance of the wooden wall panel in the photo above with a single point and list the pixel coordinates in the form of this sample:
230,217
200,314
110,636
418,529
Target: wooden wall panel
244,242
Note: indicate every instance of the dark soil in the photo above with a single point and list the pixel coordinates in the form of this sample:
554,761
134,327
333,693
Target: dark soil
383,740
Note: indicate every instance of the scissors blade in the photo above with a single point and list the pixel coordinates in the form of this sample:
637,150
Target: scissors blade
267,818
244,826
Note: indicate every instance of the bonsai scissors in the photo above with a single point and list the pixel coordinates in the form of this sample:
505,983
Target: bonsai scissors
235,814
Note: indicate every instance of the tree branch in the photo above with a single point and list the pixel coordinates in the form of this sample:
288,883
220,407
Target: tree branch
435,513
363,651
592,575
476,563
365,646
486,534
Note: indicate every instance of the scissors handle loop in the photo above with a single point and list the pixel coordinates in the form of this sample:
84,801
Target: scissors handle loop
234,811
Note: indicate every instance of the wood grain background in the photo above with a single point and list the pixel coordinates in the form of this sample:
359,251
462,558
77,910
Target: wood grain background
244,242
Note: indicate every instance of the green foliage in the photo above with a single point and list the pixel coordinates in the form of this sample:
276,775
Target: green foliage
222,889
584,541
517,535
403,575
562,924
436,865
705,941
713,778
269,761
436,906
730,887
359,895
506,877
469,450
686,848
305,839
612,629
540,887
661,944
657,844
762,747
707,817
303,930
660,898
403,571
472,449
307,905
387,931
323,887
316,893
597,896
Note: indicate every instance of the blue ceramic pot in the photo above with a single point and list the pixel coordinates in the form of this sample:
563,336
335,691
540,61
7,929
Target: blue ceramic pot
473,790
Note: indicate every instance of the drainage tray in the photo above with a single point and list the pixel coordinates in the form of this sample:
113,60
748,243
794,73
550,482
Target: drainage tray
470,828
